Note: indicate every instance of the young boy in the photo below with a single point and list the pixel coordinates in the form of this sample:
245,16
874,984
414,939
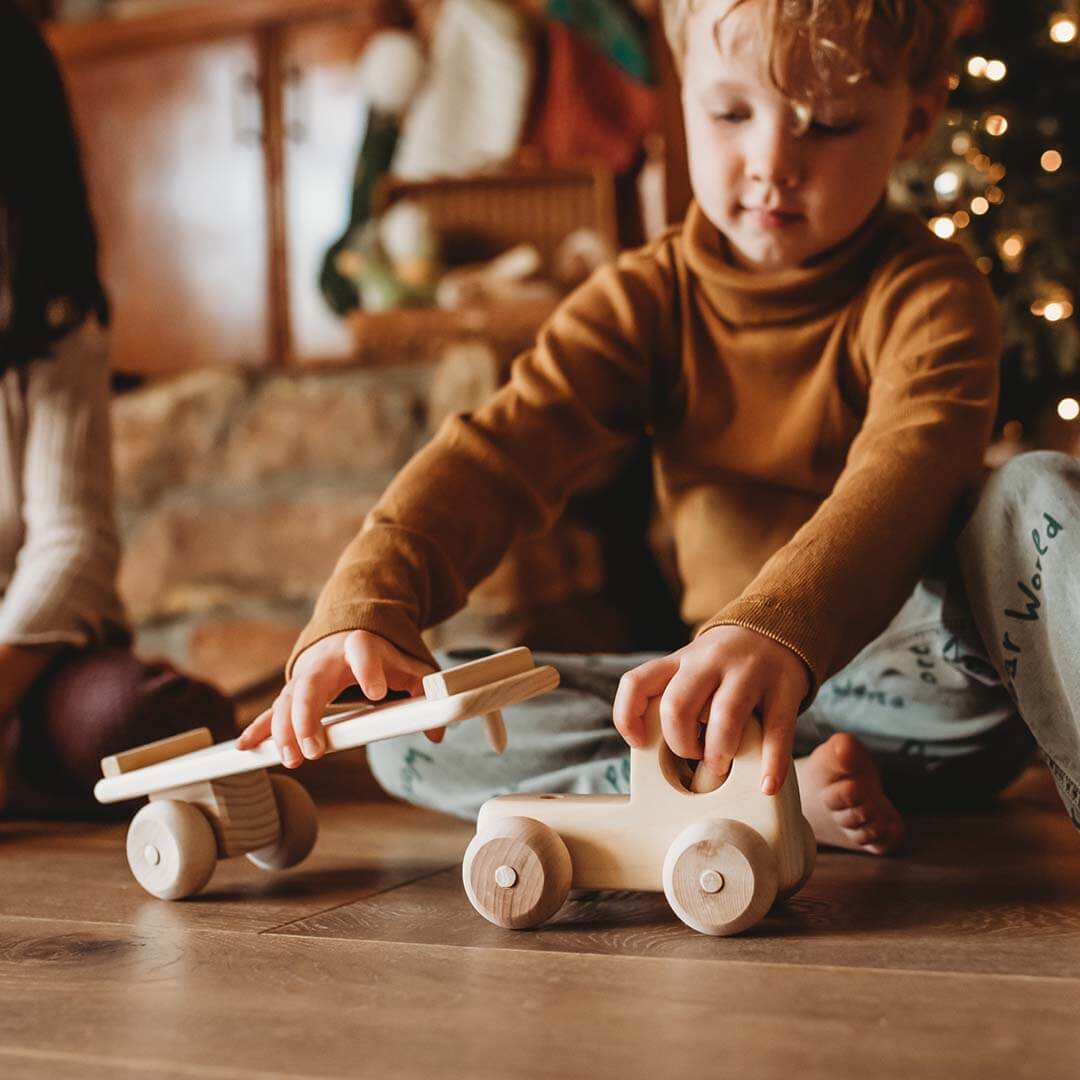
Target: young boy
818,375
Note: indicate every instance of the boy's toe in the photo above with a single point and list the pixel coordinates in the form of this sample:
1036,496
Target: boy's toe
863,836
849,756
844,796
883,835
852,818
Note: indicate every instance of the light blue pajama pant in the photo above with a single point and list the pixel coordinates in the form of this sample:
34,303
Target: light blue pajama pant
939,711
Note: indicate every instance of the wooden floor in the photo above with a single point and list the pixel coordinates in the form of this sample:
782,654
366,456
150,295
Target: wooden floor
960,959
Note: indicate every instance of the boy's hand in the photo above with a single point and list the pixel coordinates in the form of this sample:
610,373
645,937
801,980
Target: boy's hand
719,680
320,673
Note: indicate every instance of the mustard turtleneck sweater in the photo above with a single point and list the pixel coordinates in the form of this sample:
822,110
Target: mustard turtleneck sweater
812,431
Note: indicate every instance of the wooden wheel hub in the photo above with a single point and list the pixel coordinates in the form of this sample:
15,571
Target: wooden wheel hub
171,849
517,875
720,877
712,881
506,877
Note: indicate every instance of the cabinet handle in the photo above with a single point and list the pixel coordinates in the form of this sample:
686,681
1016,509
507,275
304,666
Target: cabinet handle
247,110
297,105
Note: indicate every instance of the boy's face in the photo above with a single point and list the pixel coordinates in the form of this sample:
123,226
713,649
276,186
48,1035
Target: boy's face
780,194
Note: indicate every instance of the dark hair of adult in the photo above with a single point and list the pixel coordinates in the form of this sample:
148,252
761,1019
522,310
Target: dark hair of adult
49,281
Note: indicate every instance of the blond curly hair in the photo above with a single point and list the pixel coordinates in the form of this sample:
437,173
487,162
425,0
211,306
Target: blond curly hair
840,40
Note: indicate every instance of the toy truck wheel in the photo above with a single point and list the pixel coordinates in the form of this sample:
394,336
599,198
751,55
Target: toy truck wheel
517,873
809,859
299,827
720,877
171,849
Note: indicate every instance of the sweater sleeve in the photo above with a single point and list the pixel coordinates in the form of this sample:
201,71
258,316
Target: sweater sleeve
63,587
929,335
577,399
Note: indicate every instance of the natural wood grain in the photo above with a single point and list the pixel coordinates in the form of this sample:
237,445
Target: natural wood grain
299,817
79,872
175,166
333,1009
358,727
17,1063
241,810
171,849
488,669
518,875
622,842
956,902
151,753
957,960
468,676
720,877
272,97
102,37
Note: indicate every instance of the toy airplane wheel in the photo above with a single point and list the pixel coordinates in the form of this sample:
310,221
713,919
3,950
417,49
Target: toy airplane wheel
299,826
518,873
171,849
720,877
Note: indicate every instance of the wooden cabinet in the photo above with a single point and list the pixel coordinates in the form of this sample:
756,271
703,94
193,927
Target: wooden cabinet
219,144
220,140
175,166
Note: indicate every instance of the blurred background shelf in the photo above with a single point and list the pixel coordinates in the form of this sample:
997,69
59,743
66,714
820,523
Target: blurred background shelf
416,335
476,219
220,141
219,144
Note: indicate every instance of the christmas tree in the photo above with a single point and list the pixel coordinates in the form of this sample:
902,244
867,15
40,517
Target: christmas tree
1001,177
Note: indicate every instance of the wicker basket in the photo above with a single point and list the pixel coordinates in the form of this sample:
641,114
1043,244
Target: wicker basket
477,218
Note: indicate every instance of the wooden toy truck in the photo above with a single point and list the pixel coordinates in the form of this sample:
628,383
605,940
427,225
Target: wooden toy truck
721,856
210,802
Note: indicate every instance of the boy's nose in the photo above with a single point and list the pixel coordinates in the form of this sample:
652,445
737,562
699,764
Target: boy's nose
776,160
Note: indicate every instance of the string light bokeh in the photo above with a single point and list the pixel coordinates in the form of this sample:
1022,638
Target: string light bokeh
1000,177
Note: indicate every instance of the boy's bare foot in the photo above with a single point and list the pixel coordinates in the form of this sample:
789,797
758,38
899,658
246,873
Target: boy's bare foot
843,799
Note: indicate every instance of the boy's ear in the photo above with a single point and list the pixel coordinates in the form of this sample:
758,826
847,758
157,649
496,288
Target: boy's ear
924,111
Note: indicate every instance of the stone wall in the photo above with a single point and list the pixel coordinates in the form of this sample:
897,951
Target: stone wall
237,490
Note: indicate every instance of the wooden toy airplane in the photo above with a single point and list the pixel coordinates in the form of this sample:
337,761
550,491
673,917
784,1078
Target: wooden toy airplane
210,802
720,850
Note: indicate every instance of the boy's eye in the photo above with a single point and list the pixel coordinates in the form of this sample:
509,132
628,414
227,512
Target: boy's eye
729,117
821,128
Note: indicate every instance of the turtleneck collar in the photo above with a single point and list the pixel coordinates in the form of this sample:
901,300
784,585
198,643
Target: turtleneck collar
762,298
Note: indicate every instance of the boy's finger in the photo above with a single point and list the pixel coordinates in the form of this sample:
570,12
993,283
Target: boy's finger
713,769
636,689
281,726
398,678
311,695
778,739
731,706
366,666
256,731
681,707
